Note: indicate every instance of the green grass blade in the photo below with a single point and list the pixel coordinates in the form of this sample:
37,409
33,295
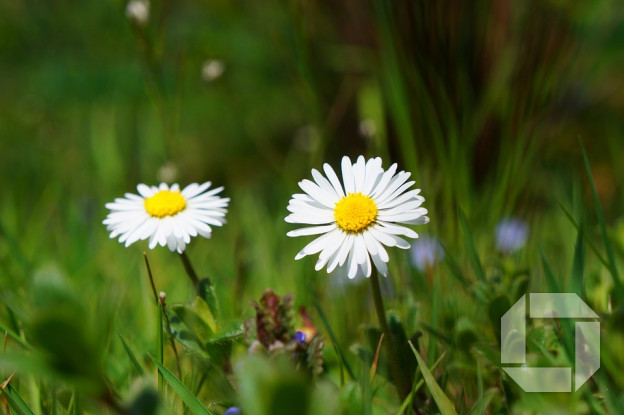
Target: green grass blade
332,336
454,267
71,406
553,284
576,283
603,229
14,336
470,246
589,242
131,355
566,324
444,404
15,401
192,403
415,388
480,407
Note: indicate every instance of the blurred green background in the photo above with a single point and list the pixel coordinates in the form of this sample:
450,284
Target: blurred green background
484,101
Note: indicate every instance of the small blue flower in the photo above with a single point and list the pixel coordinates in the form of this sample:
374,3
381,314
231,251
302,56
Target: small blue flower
511,235
300,337
425,252
233,410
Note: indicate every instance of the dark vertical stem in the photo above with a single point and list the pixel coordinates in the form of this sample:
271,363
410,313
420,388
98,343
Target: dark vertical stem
188,267
151,278
400,381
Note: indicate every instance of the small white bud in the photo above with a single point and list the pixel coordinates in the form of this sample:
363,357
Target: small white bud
212,70
168,172
137,11
368,128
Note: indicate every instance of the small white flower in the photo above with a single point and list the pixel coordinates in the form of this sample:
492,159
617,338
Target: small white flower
212,70
165,215
137,11
356,220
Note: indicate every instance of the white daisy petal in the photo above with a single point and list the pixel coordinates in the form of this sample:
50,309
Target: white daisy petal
352,264
325,185
313,230
405,197
340,256
359,174
317,245
145,191
373,171
383,182
394,184
172,242
397,230
310,218
381,266
333,179
359,247
165,215
403,216
395,194
366,267
317,193
347,175
418,221
194,189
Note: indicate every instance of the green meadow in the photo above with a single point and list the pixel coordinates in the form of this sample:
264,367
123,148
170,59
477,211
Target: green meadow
501,111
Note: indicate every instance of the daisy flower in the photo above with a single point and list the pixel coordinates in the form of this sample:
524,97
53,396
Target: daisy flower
165,215
358,217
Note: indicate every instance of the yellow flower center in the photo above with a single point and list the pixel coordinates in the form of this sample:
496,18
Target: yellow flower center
165,203
355,212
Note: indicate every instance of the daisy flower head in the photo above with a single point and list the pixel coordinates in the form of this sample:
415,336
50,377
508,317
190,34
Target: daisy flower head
358,217
166,215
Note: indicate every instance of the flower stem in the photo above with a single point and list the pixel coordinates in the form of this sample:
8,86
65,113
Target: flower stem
159,324
400,381
188,267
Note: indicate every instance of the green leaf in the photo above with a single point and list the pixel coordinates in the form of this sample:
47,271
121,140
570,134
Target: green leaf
230,334
444,404
131,355
470,246
198,318
15,401
207,293
186,337
190,400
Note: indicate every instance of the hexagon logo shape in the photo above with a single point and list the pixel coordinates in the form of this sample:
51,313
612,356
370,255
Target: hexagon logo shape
586,342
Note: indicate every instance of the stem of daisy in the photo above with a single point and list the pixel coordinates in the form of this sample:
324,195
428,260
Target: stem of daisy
188,267
159,324
400,381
